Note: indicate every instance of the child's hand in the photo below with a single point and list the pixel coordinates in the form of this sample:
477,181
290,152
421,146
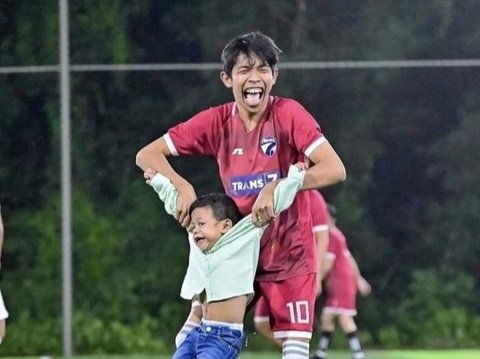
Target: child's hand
302,166
262,210
149,174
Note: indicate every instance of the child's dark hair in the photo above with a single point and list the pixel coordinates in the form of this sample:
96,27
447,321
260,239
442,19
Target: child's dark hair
253,43
222,206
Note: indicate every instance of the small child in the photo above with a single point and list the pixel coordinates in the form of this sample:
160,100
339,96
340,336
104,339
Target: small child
222,263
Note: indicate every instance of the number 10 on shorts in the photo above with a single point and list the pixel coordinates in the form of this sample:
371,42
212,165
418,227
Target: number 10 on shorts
299,312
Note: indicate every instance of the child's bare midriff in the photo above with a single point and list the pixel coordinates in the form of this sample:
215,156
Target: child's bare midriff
231,310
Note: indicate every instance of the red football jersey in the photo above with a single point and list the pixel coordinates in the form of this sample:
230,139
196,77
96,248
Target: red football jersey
247,161
319,210
341,274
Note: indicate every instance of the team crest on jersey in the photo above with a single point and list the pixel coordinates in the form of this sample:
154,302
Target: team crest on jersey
268,145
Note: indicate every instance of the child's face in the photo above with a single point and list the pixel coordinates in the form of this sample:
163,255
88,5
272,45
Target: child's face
206,228
251,82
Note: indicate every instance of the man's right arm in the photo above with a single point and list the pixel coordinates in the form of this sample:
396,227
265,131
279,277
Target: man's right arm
154,156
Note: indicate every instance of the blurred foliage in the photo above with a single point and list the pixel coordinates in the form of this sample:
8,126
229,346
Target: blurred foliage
408,137
440,300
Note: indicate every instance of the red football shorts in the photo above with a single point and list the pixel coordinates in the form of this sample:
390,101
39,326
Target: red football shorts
262,311
341,299
291,305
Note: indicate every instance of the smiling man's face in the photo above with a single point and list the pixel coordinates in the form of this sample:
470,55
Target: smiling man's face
251,82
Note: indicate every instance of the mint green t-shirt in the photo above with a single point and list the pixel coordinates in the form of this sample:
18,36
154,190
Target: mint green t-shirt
228,268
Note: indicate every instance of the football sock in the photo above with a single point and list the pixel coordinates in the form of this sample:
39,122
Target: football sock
323,344
182,334
355,347
295,349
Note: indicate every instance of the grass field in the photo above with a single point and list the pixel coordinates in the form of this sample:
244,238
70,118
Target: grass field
400,354
420,354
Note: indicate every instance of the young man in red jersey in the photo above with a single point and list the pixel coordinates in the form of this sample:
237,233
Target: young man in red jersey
254,140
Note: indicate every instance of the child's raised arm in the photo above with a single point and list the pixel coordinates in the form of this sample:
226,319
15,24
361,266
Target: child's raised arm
165,189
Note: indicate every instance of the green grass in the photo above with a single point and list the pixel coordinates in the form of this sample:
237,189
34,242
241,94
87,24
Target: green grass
373,354
400,354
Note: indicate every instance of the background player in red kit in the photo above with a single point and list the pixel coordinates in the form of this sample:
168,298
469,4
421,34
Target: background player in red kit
3,310
343,278
254,140
319,213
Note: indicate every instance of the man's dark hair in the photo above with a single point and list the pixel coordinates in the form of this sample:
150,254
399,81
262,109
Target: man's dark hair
222,206
253,43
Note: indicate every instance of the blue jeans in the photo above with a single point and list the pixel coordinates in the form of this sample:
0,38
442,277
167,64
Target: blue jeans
211,342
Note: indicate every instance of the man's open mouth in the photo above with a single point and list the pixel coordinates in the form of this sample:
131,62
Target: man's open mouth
253,96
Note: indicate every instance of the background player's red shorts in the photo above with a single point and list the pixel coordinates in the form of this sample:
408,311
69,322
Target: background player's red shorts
341,299
291,304
262,311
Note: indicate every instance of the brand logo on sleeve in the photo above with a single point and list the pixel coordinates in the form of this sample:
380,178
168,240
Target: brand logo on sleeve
251,184
237,151
268,145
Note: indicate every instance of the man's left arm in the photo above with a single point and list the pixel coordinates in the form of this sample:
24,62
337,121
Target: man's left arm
327,169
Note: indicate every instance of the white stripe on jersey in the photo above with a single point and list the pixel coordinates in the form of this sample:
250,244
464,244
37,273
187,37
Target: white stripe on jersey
170,144
320,228
314,145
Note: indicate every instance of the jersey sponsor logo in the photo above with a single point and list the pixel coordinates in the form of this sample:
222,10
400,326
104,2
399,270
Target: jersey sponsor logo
251,184
268,144
237,151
